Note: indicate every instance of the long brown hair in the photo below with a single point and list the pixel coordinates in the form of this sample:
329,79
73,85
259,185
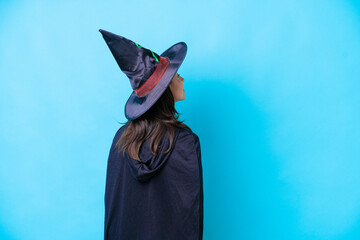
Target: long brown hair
162,117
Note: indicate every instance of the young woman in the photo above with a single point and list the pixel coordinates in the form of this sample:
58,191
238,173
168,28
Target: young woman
154,183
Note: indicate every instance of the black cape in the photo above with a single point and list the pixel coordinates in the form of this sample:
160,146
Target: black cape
158,199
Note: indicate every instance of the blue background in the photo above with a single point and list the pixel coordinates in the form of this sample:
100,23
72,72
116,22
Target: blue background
272,90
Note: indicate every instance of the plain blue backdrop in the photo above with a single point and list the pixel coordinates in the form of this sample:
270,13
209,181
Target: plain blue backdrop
272,90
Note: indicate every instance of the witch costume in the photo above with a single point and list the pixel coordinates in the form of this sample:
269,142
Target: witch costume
160,198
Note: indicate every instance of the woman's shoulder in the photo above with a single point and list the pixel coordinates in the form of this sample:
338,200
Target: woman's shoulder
187,145
120,131
187,135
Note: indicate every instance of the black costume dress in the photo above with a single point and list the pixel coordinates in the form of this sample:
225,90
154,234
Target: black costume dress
158,199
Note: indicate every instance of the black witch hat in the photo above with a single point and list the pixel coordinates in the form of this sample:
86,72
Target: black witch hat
149,73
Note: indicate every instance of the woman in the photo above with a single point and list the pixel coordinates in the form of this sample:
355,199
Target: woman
154,185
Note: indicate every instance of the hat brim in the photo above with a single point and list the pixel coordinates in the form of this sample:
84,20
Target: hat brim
136,106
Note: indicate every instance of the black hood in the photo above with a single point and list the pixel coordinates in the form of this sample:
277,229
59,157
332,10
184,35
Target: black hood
150,165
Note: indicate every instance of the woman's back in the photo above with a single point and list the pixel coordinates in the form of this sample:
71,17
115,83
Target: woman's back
159,198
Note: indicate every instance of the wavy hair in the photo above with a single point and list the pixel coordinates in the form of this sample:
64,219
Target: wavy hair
161,118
